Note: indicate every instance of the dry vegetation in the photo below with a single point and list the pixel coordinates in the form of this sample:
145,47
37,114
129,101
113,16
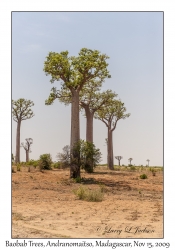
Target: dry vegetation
47,204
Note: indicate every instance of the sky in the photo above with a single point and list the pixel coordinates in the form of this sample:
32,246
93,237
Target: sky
134,43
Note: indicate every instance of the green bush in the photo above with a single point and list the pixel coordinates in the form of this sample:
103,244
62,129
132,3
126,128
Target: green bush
90,156
85,155
57,165
45,162
143,176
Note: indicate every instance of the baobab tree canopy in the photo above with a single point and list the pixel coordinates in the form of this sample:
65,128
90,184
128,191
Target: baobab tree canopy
76,71
21,109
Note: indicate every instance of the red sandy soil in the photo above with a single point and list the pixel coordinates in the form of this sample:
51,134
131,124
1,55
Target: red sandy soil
45,206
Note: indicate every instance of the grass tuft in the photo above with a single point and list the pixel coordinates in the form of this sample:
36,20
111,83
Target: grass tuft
89,195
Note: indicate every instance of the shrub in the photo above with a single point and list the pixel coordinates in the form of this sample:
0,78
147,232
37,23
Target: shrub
35,164
89,195
81,192
57,165
64,157
90,156
143,176
45,162
132,168
94,195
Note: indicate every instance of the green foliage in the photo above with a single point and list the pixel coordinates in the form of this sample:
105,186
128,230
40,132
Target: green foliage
33,163
112,112
74,72
21,109
45,162
143,176
57,165
89,195
90,156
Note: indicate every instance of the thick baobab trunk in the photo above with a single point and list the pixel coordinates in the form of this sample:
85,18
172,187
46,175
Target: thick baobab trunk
17,158
110,150
75,135
89,124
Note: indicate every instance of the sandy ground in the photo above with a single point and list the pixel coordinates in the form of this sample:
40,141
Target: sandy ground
44,205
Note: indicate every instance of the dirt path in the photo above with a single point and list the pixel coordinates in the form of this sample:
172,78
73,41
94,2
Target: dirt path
44,205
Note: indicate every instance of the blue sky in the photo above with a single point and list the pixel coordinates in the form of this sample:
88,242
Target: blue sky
134,43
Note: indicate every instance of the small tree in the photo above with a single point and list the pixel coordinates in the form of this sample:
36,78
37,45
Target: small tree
27,146
130,159
148,161
110,114
64,157
119,159
45,162
21,110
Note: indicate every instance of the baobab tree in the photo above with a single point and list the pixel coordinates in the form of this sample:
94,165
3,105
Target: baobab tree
74,73
21,110
119,159
110,114
91,102
27,147
130,159
148,161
